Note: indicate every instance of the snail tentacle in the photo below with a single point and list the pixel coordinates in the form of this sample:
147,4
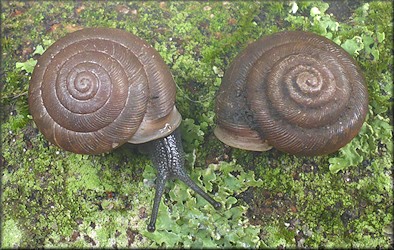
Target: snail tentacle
168,158
160,185
98,88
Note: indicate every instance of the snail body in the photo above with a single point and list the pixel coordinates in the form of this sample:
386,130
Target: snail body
98,88
296,91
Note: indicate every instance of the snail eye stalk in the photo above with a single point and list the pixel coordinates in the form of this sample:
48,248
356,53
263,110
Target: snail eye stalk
98,88
168,157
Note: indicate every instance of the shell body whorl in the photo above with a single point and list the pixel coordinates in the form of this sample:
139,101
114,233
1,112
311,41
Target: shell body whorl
97,88
299,92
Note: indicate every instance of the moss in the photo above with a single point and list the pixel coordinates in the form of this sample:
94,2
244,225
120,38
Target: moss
11,235
53,198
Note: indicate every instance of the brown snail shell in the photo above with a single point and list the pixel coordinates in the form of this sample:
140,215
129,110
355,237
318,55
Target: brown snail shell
296,91
97,88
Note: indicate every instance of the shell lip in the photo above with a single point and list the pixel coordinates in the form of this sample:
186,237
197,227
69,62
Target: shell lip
150,130
318,133
252,143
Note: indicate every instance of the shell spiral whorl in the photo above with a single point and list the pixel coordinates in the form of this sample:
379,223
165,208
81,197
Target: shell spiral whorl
305,94
92,89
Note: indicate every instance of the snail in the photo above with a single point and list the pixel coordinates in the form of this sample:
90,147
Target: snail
295,91
98,88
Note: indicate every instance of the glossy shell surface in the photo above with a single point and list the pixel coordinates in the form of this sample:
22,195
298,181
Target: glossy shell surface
297,91
97,88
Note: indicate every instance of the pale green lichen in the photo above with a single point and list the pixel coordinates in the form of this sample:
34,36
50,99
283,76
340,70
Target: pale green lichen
11,234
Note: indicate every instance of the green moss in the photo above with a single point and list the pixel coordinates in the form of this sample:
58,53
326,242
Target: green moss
196,224
56,199
11,235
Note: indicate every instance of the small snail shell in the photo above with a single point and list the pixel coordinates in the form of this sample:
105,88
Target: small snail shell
296,91
95,89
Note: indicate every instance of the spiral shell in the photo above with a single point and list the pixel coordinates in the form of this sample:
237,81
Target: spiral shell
297,91
97,88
